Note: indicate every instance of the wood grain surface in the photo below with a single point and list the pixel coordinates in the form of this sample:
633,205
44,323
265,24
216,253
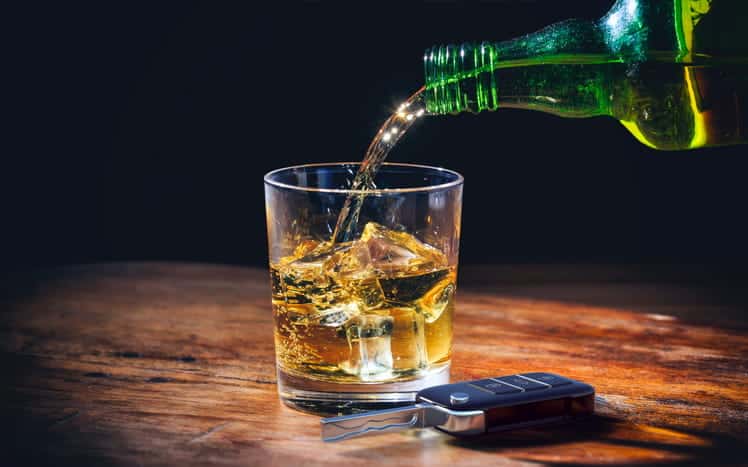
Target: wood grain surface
173,364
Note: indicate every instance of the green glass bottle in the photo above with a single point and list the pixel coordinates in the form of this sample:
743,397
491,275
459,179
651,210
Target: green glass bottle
673,72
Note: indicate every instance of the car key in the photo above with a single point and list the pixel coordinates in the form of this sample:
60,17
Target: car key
476,407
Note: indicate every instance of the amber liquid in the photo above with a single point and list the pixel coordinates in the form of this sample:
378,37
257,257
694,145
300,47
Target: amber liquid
376,309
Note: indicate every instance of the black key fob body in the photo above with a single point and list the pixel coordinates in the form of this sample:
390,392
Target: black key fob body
515,401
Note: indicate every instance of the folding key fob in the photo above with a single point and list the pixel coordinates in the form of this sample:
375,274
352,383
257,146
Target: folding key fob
515,401
476,407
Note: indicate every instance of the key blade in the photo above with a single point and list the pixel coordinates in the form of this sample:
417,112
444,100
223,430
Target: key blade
401,418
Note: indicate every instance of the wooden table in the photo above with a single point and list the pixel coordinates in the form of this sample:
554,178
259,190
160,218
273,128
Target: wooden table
172,364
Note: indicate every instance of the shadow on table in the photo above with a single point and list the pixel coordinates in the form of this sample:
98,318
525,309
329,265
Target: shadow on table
607,439
598,440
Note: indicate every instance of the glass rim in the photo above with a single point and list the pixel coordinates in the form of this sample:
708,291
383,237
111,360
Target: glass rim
459,179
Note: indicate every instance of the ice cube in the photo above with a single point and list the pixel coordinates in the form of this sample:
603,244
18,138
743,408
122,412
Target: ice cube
335,316
305,280
369,339
409,288
306,247
300,281
305,251
352,268
394,252
409,339
435,301
367,292
350,260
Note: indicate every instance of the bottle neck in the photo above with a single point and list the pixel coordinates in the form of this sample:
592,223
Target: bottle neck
518,72
482,82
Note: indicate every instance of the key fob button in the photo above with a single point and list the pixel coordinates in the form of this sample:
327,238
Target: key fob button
549,378
523,383
459,398
495,386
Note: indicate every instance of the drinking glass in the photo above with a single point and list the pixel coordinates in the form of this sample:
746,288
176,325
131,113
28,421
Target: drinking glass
367,322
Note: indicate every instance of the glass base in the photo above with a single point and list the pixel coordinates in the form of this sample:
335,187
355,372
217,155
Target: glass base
327,398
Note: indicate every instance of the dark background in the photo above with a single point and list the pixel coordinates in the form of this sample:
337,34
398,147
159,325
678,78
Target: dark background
142,130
